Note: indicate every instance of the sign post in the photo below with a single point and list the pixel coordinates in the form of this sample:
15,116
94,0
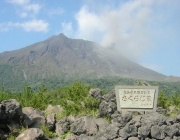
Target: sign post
136,98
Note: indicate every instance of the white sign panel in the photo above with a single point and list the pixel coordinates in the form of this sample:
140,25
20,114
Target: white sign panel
136,98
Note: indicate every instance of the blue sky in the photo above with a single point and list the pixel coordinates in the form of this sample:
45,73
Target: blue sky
145,31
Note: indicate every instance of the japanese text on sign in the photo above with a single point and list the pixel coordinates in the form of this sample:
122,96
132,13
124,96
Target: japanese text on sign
136,98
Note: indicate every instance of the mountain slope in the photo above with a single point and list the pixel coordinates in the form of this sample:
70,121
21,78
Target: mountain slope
60,55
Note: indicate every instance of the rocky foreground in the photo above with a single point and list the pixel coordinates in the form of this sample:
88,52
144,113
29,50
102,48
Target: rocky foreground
123,126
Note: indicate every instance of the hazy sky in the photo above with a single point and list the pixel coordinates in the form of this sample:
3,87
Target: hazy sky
145,31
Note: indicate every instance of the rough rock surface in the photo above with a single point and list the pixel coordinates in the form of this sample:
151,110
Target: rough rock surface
120,120
50,121
84,125
96,93
107,108
62,126
144,131
56,110
153,118
129,130
109,132
111,96
157,132
33,118
31,134
10,109
171,130
10,113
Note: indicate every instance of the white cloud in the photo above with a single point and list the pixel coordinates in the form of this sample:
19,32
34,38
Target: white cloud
34,26
23,14
18,2
3,27
26,8
57,11
28,26
33,7
89,24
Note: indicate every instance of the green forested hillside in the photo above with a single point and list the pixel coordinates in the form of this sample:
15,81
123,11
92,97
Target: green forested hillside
16,84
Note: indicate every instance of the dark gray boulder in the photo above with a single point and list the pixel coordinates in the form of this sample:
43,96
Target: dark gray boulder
33,118
31,134
126,116
96,93
170,121
84,125
130,130
71,137
116,120
101,123
137,120
120,120
50,121
62,126
2,135
144,131
157,132
133,138
110,97
178,118
108,133
84,137
153,118
170,130
168,138
10,114
106,108
10,109
119,138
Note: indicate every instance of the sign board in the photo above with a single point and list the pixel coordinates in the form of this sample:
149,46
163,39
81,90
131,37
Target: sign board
136,98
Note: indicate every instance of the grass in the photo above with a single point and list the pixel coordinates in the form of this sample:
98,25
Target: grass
47,133
65,135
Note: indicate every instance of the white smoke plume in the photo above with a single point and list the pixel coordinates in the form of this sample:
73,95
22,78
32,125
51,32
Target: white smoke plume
128,27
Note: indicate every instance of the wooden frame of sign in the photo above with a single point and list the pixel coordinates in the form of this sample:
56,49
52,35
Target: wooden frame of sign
136,98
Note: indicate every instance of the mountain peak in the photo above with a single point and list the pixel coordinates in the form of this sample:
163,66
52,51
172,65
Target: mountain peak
72,57
62,35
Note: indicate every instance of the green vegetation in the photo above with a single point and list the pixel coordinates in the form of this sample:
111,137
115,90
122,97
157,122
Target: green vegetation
13,80
74,100
47,133
68,133
167,101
